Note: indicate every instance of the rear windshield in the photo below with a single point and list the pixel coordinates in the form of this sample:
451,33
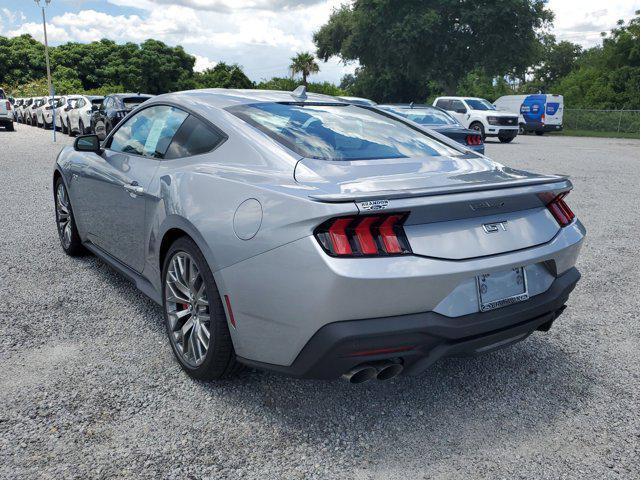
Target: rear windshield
2,94
133,102
339,132
425,116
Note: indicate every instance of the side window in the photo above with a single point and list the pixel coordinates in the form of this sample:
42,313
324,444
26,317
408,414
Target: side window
193,138
457,105
148,132
444,104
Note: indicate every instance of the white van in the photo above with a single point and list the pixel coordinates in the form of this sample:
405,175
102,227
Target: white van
539,113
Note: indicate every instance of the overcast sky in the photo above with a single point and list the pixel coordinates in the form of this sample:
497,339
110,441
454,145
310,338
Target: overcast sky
260,35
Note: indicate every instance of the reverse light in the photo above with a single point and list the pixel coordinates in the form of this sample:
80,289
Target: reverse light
560,210
364,236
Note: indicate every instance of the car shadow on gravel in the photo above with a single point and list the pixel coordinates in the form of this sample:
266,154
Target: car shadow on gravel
504,396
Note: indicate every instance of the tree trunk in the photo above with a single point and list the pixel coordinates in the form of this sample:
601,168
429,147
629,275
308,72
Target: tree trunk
304,78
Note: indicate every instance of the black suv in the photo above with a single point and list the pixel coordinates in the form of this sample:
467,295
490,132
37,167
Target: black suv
113,109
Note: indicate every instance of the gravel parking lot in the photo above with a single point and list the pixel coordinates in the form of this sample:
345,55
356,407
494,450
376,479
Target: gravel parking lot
89,387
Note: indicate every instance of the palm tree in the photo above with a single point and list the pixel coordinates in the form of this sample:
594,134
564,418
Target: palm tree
304,63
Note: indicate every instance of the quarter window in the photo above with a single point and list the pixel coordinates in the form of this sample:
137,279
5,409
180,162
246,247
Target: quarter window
148,132
193,138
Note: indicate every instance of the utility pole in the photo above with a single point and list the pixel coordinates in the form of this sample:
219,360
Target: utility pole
46,54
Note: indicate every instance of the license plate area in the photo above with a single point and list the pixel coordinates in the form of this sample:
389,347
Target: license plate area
499,289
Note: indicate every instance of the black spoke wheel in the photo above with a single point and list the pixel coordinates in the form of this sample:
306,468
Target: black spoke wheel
67,231
195,319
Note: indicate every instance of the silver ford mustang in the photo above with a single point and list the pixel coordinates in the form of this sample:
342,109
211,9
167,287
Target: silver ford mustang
316,238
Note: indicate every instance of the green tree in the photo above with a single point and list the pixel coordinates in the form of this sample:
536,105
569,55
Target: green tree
558,61
223,75
21,60
290,84
607,76
403,47
304,63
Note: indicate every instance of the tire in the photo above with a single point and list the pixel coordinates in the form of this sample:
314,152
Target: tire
539,133
81,127
67,230
478,127
9,126
63,128
505,139
218,360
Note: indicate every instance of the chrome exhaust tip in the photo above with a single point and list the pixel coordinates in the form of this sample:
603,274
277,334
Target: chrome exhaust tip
388,371
360,374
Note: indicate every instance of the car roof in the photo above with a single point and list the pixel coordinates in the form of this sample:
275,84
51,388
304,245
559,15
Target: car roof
120,95
222,97
410,106
461,98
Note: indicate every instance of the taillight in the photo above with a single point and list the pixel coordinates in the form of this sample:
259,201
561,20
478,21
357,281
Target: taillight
542,118
474,140
8,105
363,236
560,210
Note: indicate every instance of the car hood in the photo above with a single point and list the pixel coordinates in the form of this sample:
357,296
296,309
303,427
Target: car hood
408,177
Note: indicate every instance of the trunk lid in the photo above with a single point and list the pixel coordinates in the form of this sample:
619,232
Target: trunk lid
459,207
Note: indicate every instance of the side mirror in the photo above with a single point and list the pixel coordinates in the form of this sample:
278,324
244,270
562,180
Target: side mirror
87,143
461,110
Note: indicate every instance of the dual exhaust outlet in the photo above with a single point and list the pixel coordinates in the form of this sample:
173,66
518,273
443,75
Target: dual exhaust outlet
384,370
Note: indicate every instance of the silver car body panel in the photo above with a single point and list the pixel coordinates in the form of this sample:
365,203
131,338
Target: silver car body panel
251,205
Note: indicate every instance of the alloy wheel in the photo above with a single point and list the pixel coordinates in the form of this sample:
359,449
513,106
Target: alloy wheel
63,214
187,309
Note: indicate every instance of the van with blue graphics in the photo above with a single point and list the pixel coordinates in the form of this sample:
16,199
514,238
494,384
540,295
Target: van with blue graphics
539,113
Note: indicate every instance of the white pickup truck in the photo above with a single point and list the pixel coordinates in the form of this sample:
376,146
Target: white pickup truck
479,114
6,112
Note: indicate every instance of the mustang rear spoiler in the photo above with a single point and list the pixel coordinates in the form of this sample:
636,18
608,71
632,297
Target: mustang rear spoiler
553,182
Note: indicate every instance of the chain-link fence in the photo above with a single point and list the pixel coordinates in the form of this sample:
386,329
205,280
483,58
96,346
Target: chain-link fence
620,121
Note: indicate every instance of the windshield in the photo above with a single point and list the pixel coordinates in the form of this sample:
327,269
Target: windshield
479,104
339,132
426,116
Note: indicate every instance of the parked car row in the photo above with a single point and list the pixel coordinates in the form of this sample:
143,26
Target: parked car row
76,114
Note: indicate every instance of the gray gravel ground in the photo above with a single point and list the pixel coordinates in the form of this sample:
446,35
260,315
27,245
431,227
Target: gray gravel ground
89,387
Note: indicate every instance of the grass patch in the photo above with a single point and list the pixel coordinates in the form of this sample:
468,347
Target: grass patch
592,133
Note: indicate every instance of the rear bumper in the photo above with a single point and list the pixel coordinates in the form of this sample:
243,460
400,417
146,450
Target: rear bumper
419,340
541,127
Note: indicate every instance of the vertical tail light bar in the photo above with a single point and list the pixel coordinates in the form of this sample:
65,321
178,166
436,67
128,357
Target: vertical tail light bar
559,209
474,140
364,236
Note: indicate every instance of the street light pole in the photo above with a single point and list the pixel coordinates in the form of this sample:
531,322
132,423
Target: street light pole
46,55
